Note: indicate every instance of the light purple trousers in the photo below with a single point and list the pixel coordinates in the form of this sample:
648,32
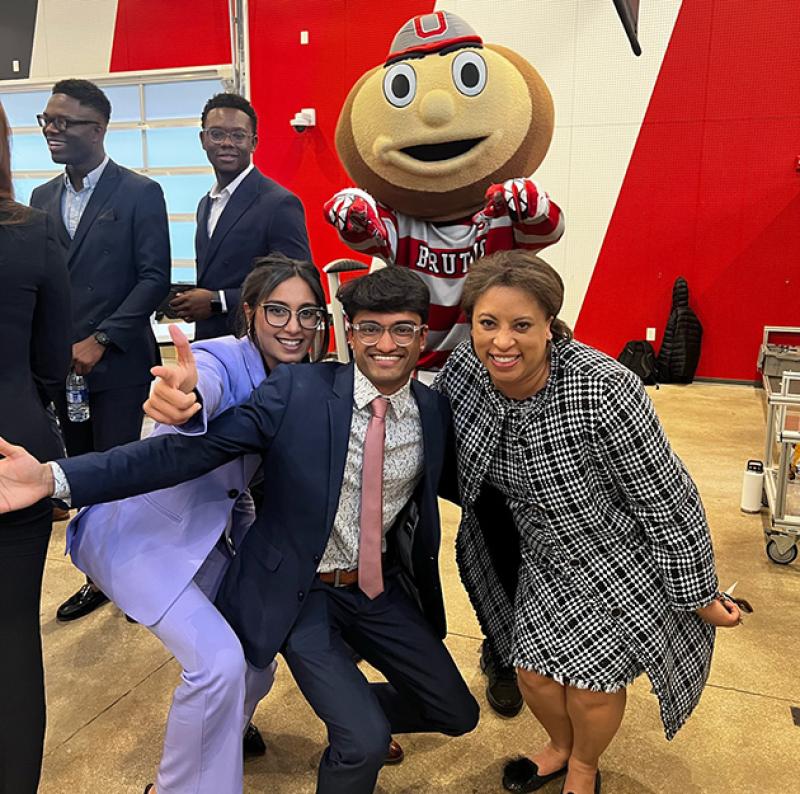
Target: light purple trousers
217,695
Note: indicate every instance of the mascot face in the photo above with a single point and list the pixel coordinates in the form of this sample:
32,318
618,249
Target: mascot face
428,135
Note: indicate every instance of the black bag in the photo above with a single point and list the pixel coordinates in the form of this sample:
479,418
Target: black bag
640,357
680,351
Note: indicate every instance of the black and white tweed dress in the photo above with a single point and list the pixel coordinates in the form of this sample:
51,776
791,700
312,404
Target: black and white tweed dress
558,631
616,551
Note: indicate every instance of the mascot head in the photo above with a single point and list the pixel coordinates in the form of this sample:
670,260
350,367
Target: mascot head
446,116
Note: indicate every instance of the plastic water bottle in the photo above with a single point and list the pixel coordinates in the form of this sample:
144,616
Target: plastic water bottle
77,398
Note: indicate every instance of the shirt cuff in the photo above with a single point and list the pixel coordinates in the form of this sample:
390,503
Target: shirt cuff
223,301
61,488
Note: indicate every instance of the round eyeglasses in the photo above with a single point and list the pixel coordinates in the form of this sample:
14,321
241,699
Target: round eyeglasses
309,318
218,135
62,123
370,333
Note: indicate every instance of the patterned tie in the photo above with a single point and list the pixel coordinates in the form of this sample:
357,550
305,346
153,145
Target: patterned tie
370,576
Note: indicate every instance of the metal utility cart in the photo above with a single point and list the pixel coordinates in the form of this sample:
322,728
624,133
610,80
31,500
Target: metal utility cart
782,391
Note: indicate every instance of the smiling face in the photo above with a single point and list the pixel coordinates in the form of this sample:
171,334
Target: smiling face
229,157
510,334
427,136
79,144
385,363
291,343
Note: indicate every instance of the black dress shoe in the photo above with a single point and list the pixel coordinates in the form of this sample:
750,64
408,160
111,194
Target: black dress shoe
502,691
253,742
522,775
86,600
596,785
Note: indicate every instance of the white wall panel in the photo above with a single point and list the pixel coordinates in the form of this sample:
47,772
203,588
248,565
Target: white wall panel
73,38
601,93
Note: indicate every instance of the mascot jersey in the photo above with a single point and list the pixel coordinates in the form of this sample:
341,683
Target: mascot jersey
440,141
441,254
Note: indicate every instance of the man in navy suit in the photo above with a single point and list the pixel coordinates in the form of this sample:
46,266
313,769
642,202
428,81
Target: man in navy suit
112,226
246,215
296,584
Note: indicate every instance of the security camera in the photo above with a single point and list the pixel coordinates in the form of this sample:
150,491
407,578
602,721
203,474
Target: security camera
307,117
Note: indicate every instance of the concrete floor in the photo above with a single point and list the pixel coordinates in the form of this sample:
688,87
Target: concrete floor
109,682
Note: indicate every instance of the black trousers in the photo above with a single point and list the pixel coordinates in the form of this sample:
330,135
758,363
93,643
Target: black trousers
23,546
115,418
425,691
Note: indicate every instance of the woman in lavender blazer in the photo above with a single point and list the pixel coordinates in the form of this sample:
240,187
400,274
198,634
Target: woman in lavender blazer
161,556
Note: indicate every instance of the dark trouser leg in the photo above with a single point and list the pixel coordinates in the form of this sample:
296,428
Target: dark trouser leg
22,553
358,731
425,692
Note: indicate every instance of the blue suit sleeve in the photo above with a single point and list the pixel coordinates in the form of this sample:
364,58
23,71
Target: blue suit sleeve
163,461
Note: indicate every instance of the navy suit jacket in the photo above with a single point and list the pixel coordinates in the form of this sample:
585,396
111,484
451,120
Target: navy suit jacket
119,268
298,420
260,218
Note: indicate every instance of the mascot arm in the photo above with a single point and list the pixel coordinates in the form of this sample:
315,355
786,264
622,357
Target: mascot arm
536,219
362,224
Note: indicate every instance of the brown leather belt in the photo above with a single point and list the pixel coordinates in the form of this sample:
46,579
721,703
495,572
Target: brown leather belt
340,578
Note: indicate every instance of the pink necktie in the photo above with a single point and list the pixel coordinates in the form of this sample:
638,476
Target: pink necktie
370,576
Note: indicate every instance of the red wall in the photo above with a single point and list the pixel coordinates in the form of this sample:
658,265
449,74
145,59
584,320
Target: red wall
711,192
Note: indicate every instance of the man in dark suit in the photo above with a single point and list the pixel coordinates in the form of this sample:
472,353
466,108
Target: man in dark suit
112,226
245,215
318,569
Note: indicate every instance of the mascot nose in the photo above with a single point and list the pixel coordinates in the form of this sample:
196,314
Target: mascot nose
437,108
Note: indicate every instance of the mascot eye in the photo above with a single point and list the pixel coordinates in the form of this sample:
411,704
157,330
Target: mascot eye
469,73
400,85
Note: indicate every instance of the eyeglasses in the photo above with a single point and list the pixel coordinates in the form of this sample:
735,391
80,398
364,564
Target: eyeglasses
218,135
62,123
403,334
309,317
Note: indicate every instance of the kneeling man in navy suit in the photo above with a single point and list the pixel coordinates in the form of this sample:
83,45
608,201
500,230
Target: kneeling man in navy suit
345,547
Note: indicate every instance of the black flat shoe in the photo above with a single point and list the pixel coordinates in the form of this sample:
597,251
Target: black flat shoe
149,787
86,600
253,742
522,775
596,785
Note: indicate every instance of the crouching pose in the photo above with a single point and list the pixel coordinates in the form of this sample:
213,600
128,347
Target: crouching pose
345,547
161,556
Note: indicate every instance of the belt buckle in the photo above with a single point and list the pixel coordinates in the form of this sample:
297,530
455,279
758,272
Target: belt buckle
337,581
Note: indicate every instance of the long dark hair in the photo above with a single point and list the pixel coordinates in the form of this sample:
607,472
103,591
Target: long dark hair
267,273
10,211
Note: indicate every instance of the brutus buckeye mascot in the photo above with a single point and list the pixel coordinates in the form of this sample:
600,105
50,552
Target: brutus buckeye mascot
441,140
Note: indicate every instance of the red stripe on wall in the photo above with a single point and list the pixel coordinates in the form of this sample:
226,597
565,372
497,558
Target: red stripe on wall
153,34
711,192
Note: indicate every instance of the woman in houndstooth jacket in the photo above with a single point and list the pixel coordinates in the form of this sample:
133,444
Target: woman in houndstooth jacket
614,573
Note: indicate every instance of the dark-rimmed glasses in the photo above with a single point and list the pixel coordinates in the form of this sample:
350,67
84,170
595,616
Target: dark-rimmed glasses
370,333
62,123
309,318
218,135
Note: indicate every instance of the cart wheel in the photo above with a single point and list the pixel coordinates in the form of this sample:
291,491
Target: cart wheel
781,558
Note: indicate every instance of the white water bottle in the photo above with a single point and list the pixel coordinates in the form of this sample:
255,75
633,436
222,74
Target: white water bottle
77,398
752,486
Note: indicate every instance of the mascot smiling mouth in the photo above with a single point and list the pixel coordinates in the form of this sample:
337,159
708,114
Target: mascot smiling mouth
435,152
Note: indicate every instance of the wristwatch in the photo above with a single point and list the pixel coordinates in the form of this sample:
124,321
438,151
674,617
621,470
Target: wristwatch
216,306
102,338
